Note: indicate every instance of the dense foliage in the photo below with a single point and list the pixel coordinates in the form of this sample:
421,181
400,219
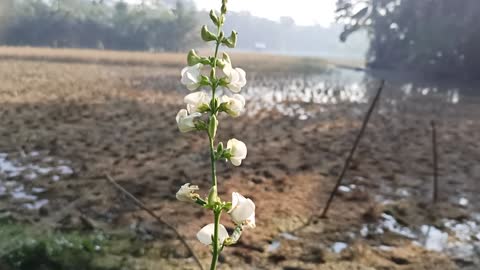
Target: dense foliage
437,37
99,24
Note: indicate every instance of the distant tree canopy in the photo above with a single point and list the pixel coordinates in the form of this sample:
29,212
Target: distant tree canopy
99,24
286,37
436,37
160,25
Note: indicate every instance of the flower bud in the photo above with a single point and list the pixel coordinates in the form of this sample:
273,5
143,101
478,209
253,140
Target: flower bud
214,18
224,7
237,151
213,73
220,147
231,42
212,196
207,35
193,58
185,121
226,58
212,126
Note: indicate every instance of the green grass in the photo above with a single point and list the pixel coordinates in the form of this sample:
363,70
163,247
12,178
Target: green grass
26,247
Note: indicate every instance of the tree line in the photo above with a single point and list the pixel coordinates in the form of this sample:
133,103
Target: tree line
157,25
438,38
99,24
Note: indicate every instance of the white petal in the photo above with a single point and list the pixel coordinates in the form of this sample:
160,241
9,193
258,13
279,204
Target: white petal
243,211
206,233
237,198
181,114
222,233
242,77
236,161
250,222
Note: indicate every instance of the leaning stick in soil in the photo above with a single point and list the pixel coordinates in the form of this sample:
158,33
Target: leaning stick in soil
156,217
352,151
435,162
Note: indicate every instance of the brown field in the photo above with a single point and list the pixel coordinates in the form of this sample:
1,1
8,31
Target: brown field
113,112
257,62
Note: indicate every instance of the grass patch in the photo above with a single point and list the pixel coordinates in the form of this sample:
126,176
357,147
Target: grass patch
25,247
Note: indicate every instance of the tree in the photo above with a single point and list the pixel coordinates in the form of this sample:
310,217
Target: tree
437,37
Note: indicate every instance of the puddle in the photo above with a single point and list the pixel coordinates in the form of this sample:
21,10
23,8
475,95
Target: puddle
275,245
36,205
435,239
459,240
18,172
347,189
463,201
289,236
31,169
385,248
389,223
338,247
285,93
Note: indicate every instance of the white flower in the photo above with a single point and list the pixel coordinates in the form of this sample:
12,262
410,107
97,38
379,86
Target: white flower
185,121
236,77
235,104
191,76
243,210
238,151
206,233
186,193
197,101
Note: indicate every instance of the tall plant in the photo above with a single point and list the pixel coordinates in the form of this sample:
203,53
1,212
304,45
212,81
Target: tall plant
216,84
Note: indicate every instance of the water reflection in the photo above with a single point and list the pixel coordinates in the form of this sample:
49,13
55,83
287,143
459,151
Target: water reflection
24,177
288,93
292,94
458,239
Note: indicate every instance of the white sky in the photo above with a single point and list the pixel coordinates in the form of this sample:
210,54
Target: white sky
304,12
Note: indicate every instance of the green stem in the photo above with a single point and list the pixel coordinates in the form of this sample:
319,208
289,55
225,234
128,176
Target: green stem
217,213
212,159
216,244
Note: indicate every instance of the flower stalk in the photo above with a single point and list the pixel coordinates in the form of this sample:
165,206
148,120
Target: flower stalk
228,81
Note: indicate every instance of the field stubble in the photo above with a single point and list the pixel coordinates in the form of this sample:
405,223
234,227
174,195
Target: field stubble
111,112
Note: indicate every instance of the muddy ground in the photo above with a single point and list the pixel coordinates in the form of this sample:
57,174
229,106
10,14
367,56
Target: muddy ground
81,121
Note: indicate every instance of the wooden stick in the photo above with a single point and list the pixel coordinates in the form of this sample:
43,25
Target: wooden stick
156,217
352,151
435,162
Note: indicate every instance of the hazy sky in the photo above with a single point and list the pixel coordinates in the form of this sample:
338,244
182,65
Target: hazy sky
304,12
